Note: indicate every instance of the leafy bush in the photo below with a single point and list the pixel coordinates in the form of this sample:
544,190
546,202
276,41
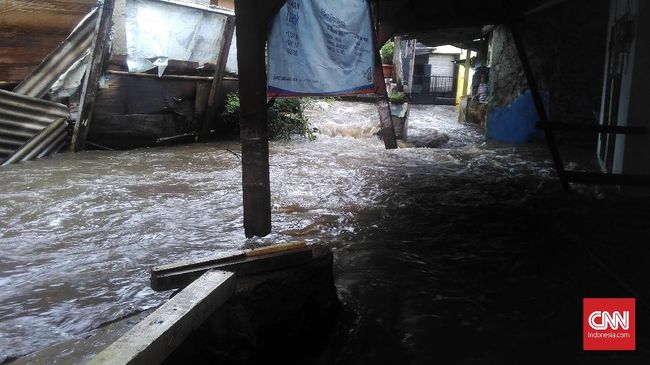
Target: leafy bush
398,97
386,52
286,117
232,103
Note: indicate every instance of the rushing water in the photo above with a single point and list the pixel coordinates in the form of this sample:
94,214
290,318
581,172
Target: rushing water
78,232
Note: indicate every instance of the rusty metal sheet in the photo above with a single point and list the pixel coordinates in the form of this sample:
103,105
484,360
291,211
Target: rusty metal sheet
23,118
58,62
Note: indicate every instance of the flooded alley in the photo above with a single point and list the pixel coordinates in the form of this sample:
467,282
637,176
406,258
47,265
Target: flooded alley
466,253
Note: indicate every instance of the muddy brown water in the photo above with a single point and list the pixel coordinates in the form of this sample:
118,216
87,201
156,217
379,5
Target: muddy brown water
463,253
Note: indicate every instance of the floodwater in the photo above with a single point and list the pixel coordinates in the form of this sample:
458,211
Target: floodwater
462,254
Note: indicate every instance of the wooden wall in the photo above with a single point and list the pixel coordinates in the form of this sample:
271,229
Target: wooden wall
134,111
31,29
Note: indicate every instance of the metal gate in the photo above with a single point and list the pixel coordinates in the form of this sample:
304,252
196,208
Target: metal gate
436,89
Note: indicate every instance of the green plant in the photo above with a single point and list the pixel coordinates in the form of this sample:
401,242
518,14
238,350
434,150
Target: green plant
387,51
232,103
398,97
286,117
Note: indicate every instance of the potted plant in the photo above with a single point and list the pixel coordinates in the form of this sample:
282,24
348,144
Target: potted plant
386,52
399,110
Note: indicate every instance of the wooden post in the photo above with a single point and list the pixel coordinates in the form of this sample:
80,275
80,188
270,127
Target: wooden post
251,41
539,104
99,54
383,106
211,110
468,65
462,113
397,64
412,44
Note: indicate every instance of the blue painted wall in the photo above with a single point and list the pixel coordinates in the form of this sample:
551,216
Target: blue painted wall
516,122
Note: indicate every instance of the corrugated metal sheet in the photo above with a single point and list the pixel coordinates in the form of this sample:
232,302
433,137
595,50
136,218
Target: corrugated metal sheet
23,119
46,141
53,66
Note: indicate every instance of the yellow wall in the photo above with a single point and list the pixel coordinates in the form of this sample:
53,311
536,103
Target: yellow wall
461,78
230,4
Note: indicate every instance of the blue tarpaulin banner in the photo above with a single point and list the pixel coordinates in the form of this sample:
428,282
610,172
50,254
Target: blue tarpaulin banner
321,48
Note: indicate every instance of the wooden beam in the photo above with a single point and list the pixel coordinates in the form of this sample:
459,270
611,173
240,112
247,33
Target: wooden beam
99,58
595,178
594,128
386,32
252,30
539,103
542,7
423,23
175,276
211,110
170,77
157,336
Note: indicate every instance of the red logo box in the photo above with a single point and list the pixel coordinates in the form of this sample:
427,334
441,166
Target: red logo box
608,324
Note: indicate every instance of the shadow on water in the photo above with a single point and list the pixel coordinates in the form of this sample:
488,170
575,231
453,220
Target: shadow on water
494,281
484,262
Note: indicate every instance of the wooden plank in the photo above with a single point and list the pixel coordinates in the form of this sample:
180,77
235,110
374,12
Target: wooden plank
539,104
594,178
126,94
544,6
211,109
98,60
166,77
228,257
283,247
157,336
131,130
595,128
174,276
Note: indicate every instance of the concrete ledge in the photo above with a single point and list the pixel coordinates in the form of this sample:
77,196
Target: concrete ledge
158,335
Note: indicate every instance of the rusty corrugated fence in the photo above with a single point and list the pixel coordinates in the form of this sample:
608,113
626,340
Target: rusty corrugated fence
22,120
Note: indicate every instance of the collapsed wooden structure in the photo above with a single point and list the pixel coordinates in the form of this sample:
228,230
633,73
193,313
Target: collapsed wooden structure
185,110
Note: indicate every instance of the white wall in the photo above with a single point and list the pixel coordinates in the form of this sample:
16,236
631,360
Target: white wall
442,64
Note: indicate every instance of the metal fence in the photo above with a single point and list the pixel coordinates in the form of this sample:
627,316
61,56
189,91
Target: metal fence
436,85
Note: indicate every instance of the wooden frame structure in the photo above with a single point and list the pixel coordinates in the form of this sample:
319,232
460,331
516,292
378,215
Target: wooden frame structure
99,57
253,20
